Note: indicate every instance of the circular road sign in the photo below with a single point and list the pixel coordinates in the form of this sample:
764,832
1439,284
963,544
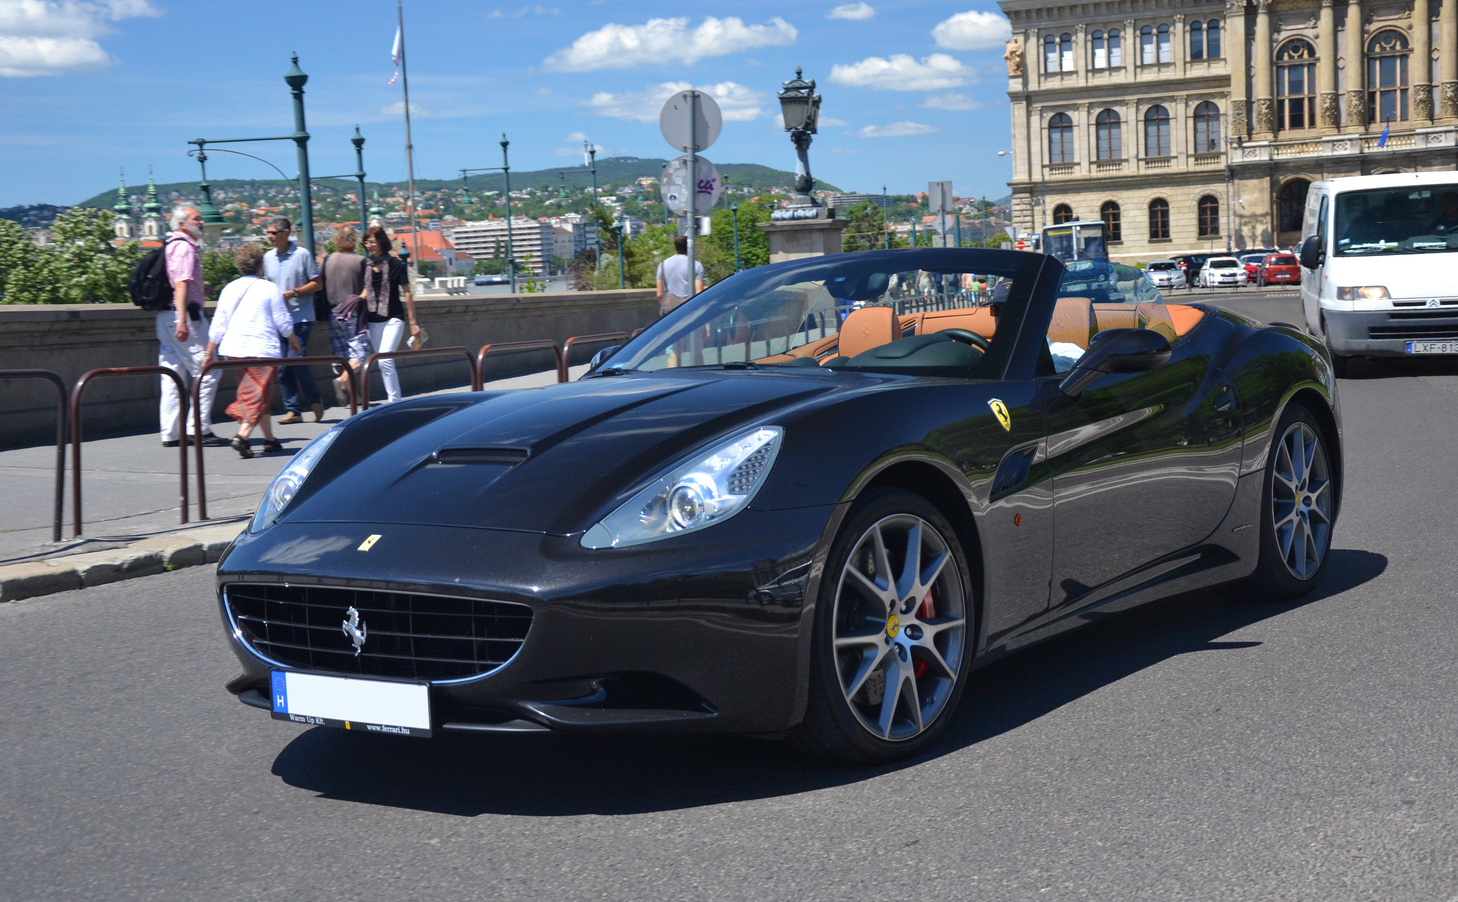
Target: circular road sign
683,135
1022,245
674,185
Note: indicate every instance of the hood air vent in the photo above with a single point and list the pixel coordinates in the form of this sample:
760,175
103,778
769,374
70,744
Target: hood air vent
494,457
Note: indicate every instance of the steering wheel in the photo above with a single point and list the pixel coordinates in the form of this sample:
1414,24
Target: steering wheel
967,336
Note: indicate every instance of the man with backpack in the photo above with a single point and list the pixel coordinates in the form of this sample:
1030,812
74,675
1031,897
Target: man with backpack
182,330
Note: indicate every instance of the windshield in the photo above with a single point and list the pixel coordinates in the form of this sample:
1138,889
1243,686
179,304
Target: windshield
1280,261
1162,266
1223,263
1108,283
930,312
1397,221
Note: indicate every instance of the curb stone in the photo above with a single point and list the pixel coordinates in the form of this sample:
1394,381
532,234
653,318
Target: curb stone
147,557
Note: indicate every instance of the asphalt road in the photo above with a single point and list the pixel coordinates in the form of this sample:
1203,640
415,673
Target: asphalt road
1204,748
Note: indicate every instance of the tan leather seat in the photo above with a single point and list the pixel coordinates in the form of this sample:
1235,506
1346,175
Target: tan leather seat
1072,321
866,328
979,320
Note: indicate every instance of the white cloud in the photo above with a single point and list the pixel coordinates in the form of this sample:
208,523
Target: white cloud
972,31
896,130
54,37
902,73
398,109
736,102
830,122
952,101
667,41
857,12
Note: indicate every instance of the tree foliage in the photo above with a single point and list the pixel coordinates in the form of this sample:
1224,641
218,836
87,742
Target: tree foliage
218,270
79,266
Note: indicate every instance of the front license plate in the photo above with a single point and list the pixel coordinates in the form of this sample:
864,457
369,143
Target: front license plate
1432,347
375,706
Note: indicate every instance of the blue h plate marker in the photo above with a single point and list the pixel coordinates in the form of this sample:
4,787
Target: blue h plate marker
280,693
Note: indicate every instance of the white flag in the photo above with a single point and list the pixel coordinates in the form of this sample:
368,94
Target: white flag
396,52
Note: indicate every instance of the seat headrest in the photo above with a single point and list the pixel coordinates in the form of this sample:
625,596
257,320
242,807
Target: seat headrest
865,287
866,328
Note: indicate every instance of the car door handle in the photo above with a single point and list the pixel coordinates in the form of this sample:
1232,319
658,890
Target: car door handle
1225,399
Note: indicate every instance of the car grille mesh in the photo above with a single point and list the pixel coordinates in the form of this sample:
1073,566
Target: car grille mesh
407,635
1415,331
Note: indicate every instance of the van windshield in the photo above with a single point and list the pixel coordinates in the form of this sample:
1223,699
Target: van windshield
1397,221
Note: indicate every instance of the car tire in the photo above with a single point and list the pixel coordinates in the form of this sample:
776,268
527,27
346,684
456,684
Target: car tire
1300,496
892,643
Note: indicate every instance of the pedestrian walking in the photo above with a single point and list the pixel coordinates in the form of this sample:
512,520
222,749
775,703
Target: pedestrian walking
182,331
292,269
674,286
388,304
250,318
342,273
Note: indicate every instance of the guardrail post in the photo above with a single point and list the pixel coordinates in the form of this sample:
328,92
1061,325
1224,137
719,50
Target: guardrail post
60,384
537,344
369,364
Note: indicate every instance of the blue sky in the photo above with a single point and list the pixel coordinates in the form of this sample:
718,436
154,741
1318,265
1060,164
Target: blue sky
914,91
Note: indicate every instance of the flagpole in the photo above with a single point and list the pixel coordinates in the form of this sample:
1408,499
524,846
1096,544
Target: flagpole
409,147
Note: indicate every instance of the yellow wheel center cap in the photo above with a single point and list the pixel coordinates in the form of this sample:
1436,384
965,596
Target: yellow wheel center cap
893,626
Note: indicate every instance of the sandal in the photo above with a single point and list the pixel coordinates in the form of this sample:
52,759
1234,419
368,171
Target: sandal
272,444
241,446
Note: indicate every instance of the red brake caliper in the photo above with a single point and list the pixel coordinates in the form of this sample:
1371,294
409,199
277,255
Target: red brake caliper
927,611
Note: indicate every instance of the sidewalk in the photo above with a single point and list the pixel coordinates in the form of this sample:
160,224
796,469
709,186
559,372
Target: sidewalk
130,494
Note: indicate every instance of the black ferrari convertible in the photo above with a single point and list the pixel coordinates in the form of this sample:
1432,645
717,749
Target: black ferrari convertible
807,503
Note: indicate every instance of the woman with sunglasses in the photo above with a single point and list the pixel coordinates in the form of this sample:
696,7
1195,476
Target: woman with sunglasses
388,304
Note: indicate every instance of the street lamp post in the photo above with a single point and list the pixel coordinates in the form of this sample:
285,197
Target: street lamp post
885,226
621,224
734,212
505,170
800,106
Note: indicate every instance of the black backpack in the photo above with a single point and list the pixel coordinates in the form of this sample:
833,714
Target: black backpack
149,286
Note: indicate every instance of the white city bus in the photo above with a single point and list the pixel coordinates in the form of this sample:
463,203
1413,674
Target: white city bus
1379,258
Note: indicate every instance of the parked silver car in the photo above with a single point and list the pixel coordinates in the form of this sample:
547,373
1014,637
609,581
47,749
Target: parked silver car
1166,274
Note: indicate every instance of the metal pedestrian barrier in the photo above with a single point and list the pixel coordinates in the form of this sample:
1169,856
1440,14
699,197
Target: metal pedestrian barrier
538,344
60,384
237,363
364,373
76,393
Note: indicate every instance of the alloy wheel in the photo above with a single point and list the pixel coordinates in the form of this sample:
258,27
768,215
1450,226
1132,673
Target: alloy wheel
1301,500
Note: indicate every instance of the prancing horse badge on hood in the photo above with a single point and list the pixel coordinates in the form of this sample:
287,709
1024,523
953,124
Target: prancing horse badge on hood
1003,416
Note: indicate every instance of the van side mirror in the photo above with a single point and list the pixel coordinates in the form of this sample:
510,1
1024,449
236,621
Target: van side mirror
1312,253
1116,351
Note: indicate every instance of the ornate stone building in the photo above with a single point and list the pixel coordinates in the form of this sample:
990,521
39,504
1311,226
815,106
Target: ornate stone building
1190,126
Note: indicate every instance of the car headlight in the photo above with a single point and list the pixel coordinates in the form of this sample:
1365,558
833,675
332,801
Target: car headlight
289,480
698,492
1362,293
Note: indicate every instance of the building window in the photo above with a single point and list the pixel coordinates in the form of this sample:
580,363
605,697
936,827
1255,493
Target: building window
1065,52
1158,219
1116,49
1050,54
1209,210
1058,53
1146,46
1109,132
1109,213
1295,85
1207,127
1205,40
1060,139
1291,205
1156,132
1154,45
1100,48
1062,213
1387,54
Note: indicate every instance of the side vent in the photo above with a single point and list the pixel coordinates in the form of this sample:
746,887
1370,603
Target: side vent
491,457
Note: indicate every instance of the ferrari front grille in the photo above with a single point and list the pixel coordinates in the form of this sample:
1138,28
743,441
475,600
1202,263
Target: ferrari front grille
395,634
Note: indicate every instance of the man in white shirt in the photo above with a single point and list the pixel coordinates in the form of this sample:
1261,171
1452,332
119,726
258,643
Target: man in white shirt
673,277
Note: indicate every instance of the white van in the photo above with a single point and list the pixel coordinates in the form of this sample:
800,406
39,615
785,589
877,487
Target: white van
1379,255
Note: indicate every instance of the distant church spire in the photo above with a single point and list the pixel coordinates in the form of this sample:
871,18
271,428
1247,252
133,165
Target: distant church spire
151,211
122,223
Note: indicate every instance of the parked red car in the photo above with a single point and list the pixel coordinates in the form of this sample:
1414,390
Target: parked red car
1279,269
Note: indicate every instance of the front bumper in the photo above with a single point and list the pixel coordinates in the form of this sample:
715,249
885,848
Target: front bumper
705,632
1385,333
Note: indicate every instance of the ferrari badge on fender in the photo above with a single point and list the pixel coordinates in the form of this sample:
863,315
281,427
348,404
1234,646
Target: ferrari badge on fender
1003,416
369,543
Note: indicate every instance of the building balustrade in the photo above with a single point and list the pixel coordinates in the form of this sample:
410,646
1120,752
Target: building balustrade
1205,160
1153,163
1103,167
1056,170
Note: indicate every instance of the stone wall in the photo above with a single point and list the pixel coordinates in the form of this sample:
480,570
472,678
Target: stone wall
73,339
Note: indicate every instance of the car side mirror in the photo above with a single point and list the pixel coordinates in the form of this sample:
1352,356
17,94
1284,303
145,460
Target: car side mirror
1312,254
601,357
1115,351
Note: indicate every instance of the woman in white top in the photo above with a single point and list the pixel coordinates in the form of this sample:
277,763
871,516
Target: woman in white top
248,322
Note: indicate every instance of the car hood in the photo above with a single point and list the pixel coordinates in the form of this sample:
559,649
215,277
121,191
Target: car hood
1405,276
539,460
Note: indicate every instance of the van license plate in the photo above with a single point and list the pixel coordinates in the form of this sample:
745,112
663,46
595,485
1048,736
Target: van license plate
1432,347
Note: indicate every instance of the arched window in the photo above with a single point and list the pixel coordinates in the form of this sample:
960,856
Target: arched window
1291,205
1062,213
1197,40
1099,55
1146,46
1212,39
1166,50
1109,132
1158,219
1060,139
1116,49
1387,55
1209,216
1050,53
1156,132
1295,85
1207,127
1065,52
1109,213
